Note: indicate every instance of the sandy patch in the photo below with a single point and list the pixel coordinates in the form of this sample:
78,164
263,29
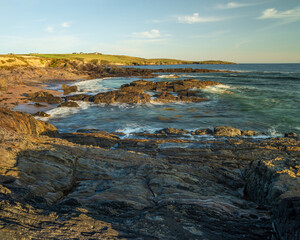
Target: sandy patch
16,95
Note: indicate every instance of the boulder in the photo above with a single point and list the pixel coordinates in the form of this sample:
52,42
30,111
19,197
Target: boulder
25,123
43,96
80,97
131,97
206,131
172,131
165,97
69,89
68,104
227,131
40,105
41,114
250,133
291,135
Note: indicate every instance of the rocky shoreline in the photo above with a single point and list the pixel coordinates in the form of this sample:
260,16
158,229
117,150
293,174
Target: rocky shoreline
94,185
171,184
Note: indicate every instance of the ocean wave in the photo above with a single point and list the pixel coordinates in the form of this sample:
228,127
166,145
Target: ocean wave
93,86
136,128
63,112
168,76
220,89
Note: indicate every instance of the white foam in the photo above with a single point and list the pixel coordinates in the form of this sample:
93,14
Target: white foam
220,88
136,128
168,76
62,112
92,86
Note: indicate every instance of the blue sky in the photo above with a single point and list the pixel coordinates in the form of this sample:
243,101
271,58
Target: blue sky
239,31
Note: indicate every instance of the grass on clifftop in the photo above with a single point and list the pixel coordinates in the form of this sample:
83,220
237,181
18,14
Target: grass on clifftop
123,60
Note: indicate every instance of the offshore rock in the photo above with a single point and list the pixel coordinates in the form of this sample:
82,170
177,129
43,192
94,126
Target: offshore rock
43,96
172,131
174,86
206,131
41,114
291,134
129,97
68,104
69,89
227,131
80,97
250,133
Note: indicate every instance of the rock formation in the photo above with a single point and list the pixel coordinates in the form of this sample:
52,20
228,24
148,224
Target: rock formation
63,188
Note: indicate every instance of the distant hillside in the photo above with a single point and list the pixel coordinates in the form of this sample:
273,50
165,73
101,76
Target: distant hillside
43,60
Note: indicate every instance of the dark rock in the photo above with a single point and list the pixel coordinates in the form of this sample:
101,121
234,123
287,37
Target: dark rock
69,89
43,96
131,97
40,105
286,219
80,97
68,104
291,135
172,131
41,114
165,97
227,131
206,131
250,133
174,86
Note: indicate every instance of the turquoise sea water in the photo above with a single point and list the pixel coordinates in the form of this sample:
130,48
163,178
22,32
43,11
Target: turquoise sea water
261,97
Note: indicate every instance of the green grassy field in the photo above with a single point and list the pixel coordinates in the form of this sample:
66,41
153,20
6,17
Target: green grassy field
123,60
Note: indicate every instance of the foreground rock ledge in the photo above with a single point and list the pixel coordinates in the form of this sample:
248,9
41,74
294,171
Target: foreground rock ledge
54,189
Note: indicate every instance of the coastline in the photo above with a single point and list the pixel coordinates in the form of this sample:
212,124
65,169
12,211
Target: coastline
106,185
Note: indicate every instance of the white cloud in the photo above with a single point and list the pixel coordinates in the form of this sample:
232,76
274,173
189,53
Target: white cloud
289,15
65,25
154,33
195,18
234,5
49,29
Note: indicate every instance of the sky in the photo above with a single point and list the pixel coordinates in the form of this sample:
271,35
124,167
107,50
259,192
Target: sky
242,31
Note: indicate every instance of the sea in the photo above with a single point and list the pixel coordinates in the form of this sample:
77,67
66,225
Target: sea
260,97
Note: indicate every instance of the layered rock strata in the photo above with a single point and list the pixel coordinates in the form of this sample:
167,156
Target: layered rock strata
232,188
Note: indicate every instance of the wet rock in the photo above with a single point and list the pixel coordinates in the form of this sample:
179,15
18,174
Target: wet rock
40,105
41,114
43,96
227,131
286,219
206,131
131,97
172,131
73,189
80,97
250,133
165,97
174,86
68,104
69,89
291,135
102,139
